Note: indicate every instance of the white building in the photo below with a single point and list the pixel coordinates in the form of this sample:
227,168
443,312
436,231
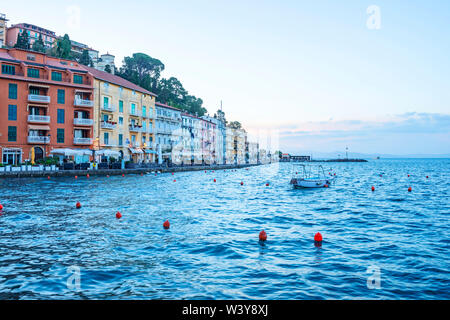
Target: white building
168,133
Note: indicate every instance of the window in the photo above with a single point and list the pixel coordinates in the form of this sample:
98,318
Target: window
35,91
12,91
60,135
105,101
60,116
12,112
77,79
121,121
144,140
120,139
33,73
8,69
106,138
61,96
12,134
120,106
133,108
56,76
144,111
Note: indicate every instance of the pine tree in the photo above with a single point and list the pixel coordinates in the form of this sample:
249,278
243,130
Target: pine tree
108,68
85,58
23,41
38,45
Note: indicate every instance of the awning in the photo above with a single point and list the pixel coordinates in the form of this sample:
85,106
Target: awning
136,151
72,152
83,91
44,128
150,152
36,106
37,85
108,153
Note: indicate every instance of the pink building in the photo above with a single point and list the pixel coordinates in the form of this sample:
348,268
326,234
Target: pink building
49,37
208,140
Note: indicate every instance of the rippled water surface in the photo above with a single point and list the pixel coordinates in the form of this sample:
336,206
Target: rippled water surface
212,249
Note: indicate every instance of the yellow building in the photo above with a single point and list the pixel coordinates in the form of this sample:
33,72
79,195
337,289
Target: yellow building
124,116
235,145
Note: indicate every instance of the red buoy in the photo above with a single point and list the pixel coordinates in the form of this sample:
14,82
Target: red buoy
76,177
107,175
87,176
409,189
48,177
166,225
215,180
326,186
118,215
175,180
373,189
1,207
263,236
381,175
242,183
78,205
142,174
318,237
173,173
123,175
408,175
267,184
427,177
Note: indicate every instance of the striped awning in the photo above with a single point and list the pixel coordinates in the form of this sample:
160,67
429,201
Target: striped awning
136,151
43,128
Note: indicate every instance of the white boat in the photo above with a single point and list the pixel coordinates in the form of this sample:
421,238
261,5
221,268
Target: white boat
309,177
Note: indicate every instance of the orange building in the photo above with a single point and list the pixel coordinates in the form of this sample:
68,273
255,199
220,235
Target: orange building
45,103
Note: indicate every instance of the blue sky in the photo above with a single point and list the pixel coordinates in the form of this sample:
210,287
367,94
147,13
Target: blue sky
307,65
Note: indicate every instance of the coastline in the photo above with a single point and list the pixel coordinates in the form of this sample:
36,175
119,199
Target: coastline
116,172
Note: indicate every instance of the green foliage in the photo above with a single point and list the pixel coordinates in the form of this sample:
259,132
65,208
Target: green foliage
220,115
235,125
38,45
23,41
108,68
145,71
62,49
85,58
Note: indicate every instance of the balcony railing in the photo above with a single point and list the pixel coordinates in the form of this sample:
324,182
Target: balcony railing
135,129
83,122
38,98
108,125
135,113
39,139
38,119
109,143
83,103
109,108
84,141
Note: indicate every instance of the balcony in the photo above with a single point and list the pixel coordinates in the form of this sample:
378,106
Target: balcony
39,139
108,108
109,143
83,103
38,119
150,130
38,98
83,122
82,141
135,129
135,113
108,125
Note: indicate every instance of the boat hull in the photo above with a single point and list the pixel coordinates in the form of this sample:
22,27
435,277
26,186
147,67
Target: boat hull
303,183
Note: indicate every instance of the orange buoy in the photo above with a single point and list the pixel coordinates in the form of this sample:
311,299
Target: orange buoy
318,237
373,189
326,186
409,189
263,236
166,225
1,207
118,215
78,205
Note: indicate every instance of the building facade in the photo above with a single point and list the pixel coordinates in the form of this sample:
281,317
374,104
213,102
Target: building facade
168,133
191,140
219,139
124,117
49,37
46,104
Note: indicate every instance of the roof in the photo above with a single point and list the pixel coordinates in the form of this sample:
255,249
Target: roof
108,77
159,104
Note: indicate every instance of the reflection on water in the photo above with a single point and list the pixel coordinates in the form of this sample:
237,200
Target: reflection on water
212,250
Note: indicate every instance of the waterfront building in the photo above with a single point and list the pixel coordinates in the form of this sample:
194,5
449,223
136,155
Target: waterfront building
168,133
191,139
252,151
236,146
124,115
48,37
220,139
3,29
208,143
46,104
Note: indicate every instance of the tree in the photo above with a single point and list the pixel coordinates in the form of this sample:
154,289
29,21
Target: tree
23,42
142,70
38,45
235,125
220,115
108,68
85,58
63,48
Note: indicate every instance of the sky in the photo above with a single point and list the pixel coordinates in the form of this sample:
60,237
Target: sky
373,76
